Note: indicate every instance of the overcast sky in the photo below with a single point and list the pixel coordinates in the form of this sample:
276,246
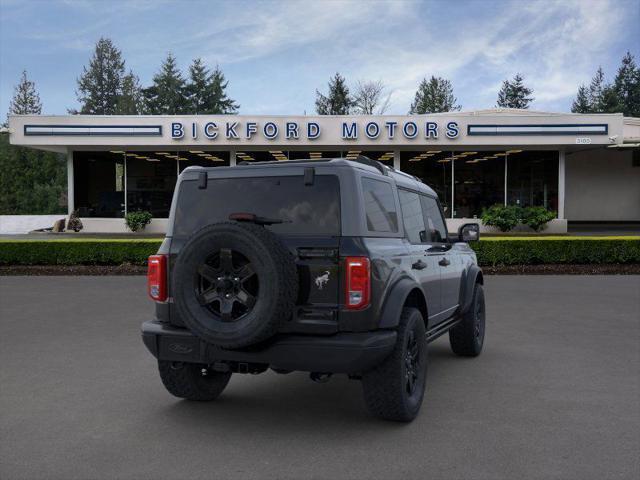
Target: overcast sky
275,54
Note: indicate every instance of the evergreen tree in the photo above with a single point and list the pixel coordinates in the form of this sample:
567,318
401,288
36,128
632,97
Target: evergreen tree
99,86
25,99
596,91
32,182
627,86
610,101
218,100
514,94
581,104
130,101
167,95
196,89
338,101
433,96
206,92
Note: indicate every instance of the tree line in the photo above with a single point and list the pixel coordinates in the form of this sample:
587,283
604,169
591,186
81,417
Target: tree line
106,88
621,95
33,181
435,95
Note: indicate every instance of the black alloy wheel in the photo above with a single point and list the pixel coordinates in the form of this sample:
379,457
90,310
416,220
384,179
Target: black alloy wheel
234,284
394,389
227,285
467,337
412,363
479,320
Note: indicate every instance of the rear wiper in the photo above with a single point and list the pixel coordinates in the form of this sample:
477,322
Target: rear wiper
253,218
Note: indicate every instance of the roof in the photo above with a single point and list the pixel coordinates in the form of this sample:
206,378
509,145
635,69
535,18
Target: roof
524,112
360,163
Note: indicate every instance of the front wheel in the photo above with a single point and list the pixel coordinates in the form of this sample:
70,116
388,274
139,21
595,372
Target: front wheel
394,389
192,381
467,337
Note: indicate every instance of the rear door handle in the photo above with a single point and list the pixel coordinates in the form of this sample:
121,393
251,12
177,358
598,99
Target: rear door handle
444,262
419,265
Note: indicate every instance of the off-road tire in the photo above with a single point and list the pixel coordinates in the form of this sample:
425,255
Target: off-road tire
186,380
385,387
467,337
278,282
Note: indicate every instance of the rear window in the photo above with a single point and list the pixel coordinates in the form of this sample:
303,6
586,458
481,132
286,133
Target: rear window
305,209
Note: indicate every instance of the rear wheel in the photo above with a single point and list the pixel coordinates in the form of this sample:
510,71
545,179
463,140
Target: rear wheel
192,381
394,389
467,338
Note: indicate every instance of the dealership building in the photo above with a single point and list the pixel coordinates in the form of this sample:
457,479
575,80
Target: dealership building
586,168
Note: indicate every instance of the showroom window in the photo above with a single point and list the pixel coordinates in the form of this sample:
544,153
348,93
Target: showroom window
532,179
110,184
99,184
469,181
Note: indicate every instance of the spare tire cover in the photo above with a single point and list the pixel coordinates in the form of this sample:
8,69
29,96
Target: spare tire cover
234,284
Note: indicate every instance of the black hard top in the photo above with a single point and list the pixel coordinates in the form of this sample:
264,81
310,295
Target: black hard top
360,163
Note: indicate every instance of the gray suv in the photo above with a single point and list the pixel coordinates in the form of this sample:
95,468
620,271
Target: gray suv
324,266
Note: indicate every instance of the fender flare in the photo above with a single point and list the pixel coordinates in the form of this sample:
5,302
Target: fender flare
472,276
396,299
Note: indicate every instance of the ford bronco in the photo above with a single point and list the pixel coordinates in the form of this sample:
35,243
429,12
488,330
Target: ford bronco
329,266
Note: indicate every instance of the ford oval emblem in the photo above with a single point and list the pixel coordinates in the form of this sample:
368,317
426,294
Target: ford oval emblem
180,348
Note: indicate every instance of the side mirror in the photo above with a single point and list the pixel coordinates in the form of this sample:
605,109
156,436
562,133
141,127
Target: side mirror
469,232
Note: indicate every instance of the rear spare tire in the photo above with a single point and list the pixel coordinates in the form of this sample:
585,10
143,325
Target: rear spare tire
234,284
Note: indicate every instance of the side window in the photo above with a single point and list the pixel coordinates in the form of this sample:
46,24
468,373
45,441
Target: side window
436,228
412,216
380,206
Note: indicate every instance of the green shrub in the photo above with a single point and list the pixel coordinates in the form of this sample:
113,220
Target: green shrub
572,250
507,217
137,220
77,252
503,217
536,217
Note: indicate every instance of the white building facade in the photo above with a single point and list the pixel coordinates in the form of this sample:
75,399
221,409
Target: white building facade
586,168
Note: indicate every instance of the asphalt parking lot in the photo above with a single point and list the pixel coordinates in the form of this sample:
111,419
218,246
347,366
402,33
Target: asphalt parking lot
555,394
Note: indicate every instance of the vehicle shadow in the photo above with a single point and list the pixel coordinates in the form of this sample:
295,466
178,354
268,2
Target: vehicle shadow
292,403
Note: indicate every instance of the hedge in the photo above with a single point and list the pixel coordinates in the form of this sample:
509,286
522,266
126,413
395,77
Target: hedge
496,251
77,251
490,250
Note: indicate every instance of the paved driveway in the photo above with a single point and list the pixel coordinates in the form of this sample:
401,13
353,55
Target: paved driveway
554,395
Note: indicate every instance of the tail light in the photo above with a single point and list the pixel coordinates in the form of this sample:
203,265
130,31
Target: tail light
358,282
157,277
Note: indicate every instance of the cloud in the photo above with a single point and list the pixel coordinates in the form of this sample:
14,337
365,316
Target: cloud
276,54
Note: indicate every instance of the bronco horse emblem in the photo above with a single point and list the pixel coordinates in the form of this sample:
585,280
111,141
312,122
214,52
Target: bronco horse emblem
322,280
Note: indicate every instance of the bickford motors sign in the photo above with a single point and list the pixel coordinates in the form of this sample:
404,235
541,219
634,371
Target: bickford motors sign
310,130
232,131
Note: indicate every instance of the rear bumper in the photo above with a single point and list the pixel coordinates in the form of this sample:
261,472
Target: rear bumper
340,353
